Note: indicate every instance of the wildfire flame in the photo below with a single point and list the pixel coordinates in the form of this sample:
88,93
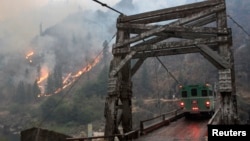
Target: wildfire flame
42,78
29,55
68,80
44,74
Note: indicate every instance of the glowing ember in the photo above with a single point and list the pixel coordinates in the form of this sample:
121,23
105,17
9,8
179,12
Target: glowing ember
66,79
29,55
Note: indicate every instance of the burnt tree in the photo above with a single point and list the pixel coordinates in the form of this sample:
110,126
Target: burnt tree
199,27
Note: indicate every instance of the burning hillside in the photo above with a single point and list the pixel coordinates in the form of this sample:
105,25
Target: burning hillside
69,78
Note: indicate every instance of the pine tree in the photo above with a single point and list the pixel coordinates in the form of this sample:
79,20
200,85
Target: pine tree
19,96
145,81
57,76
28,93
35,89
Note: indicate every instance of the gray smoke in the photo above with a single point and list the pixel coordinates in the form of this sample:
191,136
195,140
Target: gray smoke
68,32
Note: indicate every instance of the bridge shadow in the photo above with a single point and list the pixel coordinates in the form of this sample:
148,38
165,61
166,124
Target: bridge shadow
197,117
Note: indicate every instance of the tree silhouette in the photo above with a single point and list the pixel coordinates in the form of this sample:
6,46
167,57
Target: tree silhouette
20,96
35,89
57,76
50,87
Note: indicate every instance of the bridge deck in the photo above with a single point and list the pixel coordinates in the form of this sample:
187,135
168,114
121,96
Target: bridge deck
194,129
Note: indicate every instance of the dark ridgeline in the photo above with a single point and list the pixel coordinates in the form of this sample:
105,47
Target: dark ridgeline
38,134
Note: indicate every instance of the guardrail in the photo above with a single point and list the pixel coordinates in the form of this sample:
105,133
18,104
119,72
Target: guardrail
92,138
159,121
127,136
162,120
215,118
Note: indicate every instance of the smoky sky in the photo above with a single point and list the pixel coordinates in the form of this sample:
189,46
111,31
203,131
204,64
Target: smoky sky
78,27
19,20
70,32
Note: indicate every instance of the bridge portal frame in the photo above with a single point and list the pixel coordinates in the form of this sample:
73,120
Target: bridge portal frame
141,36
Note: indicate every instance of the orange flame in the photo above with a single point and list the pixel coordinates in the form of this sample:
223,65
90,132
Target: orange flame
40,80
44,75
29,55
68,80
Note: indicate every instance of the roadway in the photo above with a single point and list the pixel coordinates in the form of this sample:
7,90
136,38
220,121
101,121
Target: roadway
193,129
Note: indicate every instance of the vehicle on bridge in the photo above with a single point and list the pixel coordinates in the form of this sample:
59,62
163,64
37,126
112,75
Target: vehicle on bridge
197,100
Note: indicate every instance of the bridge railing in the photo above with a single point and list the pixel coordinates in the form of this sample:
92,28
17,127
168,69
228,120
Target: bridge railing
156,122
97,138
127,136
215,118
159,121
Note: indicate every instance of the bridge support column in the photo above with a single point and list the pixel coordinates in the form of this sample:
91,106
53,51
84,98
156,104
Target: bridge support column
118,107
228,98
227,86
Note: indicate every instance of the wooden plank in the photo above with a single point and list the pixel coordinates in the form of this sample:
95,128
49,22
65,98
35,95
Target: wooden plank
196,16
158,30
167,52
122,63
139,28
167,17
213,57
176,10
134,28
203,21
153,40
141,36
167,45
225,81
174,30
137,65
186,29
